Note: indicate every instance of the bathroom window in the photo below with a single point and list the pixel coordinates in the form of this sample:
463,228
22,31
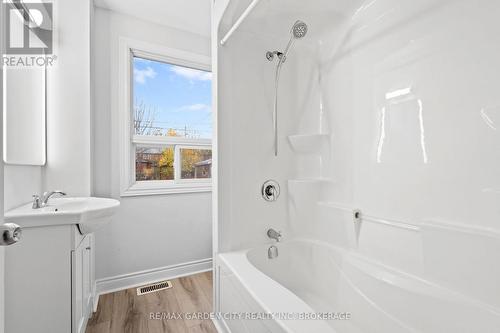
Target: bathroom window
170,124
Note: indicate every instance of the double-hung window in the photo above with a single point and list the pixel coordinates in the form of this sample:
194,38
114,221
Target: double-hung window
170,125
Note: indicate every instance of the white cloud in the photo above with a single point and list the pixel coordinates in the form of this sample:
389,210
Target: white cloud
140,75
192,74
196,107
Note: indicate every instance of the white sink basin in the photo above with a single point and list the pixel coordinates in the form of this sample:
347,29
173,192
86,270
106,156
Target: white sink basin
88,213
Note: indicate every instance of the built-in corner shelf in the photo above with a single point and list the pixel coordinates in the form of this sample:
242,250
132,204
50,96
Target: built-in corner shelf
308,143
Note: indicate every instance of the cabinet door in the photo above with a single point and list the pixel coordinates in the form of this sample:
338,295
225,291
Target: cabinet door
81,261
76,297
86,276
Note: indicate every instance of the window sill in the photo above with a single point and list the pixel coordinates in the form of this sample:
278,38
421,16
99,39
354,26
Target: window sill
147,189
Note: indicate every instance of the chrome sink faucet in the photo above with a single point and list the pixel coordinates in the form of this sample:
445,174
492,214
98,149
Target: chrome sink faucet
42,202
273,234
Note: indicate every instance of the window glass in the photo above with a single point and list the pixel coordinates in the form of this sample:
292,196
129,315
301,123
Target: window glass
196,163
170,100
154,163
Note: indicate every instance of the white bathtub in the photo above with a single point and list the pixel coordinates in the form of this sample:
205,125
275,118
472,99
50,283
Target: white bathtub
314,277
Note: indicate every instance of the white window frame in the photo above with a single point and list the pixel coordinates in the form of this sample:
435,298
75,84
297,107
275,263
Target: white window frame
124,116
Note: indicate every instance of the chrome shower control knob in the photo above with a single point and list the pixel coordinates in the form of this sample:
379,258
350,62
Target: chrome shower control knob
270,190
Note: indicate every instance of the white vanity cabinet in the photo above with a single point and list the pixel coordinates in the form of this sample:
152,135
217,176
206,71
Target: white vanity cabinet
49,280
49,273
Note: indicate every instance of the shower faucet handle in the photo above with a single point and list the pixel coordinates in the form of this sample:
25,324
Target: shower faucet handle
270,190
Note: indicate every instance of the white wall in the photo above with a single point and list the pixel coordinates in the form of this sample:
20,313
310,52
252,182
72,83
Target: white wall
68,115
21,182
148,232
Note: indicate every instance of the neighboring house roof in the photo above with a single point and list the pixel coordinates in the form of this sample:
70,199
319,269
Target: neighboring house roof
202,163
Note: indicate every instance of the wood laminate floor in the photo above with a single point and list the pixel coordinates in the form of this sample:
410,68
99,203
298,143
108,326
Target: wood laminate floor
125,312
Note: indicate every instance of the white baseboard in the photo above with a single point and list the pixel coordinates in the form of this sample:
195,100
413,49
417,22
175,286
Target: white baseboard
95,297
95,302
130,280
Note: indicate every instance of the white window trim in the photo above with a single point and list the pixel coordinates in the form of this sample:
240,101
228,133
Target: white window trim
123,118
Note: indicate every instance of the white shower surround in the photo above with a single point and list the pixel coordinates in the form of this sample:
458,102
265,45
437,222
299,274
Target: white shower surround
387,106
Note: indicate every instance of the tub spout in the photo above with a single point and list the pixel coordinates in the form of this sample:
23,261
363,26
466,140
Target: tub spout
272,252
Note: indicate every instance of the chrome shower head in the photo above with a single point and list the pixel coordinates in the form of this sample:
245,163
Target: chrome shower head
299,29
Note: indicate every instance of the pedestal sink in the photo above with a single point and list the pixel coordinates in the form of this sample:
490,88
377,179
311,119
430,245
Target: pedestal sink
89,213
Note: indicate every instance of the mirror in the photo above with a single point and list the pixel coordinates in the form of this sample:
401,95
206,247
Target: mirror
25,40
24,113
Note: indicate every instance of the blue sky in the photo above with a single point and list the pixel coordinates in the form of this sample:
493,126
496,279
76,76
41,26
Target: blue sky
182,96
